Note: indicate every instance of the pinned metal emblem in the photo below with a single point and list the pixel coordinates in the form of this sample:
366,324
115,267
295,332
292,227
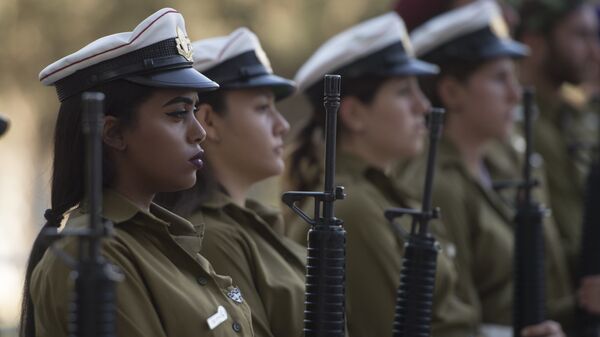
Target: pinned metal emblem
236,295
499,27
184,45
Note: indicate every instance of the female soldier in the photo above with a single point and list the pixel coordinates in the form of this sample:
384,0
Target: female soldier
244,145
478,87
151,144
381,120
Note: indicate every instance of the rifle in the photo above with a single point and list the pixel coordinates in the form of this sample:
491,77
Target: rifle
92,311
529,300
589,324
324,314
414,298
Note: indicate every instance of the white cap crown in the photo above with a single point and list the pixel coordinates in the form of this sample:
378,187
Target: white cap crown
209,53
352,44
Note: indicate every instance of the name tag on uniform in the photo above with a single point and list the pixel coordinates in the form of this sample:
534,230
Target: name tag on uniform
218,318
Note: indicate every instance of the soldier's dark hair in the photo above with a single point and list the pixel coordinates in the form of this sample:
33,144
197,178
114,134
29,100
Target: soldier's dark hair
186,202
122,100
459,70
304,164
542,16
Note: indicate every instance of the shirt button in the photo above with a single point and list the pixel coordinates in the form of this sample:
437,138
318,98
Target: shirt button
202,281
236,327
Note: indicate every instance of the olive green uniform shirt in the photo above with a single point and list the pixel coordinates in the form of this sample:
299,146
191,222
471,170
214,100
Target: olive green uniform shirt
168,289
565,133
248,244
374,251
480,222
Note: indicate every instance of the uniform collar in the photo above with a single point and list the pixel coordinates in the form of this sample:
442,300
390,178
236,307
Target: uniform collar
219,199
448,155
118,208
553,106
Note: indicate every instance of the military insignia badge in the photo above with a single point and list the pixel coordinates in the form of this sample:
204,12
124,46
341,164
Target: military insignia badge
184,45
236,295
499,27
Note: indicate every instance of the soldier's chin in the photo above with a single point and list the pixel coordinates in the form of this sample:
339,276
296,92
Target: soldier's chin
183,182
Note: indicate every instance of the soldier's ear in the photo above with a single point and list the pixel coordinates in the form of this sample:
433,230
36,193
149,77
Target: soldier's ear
352,114
450,90
209,119
112,134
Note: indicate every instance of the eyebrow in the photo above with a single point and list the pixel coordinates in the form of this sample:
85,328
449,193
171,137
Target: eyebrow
179,99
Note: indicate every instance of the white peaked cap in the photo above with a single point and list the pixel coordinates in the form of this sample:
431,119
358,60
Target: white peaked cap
209,53
356,43
157,44
237,61
461,25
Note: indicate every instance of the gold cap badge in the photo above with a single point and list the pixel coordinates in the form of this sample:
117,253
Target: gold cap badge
499,27
184,45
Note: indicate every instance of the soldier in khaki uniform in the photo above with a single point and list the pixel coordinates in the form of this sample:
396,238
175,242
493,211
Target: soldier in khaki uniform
562,36
244,239
151,144
479,89
380,122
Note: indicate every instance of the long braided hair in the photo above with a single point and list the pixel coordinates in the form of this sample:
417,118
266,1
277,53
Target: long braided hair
122,101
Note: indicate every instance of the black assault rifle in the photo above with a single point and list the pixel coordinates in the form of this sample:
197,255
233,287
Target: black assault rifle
92,311
589,324
417,279
324,314
529,299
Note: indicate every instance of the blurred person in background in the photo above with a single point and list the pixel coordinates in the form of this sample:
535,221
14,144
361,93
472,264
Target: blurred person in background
478,87
563,38
381,121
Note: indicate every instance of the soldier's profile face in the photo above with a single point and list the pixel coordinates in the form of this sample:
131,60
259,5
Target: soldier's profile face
159,147
573,47
250,134
394,125
488,98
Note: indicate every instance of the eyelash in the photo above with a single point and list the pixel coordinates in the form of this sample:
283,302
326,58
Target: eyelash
264,107
181,113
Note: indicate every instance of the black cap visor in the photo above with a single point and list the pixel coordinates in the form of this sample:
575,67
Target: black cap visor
477,46
175,78
280,86
246,71
390,61
412,67
504,48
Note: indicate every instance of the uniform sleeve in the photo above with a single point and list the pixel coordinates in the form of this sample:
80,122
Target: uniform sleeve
51,289
233,255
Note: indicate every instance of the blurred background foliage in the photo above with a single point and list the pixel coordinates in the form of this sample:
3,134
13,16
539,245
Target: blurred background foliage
34,33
